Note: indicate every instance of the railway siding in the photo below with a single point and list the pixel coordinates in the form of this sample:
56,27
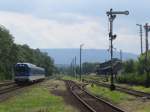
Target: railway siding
127,102
91,102
124,89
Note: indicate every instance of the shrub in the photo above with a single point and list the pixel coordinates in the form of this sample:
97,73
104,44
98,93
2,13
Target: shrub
132,78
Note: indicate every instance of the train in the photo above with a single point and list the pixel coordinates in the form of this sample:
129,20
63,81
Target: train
27,72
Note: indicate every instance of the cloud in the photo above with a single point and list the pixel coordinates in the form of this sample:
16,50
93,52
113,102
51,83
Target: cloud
67,31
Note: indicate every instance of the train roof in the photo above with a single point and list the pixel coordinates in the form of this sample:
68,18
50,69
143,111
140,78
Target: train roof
30,65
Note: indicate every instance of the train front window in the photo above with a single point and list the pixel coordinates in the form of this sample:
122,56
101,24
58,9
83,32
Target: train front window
21,69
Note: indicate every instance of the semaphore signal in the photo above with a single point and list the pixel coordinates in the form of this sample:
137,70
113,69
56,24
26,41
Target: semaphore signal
111,16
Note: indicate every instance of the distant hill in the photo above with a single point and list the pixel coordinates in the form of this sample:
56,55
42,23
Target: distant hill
64,56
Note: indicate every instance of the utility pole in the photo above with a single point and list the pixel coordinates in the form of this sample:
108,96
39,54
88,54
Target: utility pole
121,55
111,16
71,66
140,26
75,74
81,60
147,29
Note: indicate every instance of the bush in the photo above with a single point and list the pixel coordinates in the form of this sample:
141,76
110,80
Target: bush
133,79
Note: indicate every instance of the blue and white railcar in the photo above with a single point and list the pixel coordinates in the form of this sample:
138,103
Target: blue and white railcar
27,72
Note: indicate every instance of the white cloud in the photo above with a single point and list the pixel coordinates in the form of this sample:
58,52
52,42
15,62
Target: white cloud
68,33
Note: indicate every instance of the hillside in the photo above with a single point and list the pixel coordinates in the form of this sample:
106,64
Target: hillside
64,56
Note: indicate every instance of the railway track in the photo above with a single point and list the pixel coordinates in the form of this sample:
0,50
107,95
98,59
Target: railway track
93,103
8,90
6,83
8,87
12,86
123,89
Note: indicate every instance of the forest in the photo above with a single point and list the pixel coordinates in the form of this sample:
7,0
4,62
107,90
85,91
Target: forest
12,53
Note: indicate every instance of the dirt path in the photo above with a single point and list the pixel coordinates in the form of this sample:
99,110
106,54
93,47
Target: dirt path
59,88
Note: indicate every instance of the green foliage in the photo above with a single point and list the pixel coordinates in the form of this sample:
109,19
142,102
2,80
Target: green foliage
88,68
135,71
114,96
143,63
139,66
36,57
6,46
11,53
131,78
129,66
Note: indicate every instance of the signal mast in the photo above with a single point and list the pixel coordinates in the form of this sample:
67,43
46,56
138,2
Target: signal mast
111,16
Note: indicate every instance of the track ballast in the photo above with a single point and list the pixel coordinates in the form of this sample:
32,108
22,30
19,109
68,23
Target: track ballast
93,103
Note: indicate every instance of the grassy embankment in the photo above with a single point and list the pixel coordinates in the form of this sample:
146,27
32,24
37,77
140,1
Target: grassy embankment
134,87
114,96
125,101
38,99
128,102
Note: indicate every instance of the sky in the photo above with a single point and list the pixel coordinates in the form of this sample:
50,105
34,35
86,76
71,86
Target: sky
69,23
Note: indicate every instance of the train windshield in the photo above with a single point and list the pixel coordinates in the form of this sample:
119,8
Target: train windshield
21,69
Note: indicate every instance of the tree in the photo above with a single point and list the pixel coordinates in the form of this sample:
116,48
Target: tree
129,66
11,53
88,68
6,45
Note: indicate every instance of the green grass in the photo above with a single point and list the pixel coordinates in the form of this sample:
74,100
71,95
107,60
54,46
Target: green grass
134,87
96,78
114,96
125,101
38,99
141,88
67,77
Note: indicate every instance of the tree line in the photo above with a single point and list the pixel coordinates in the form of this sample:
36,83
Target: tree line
135,71
87,68
12,53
